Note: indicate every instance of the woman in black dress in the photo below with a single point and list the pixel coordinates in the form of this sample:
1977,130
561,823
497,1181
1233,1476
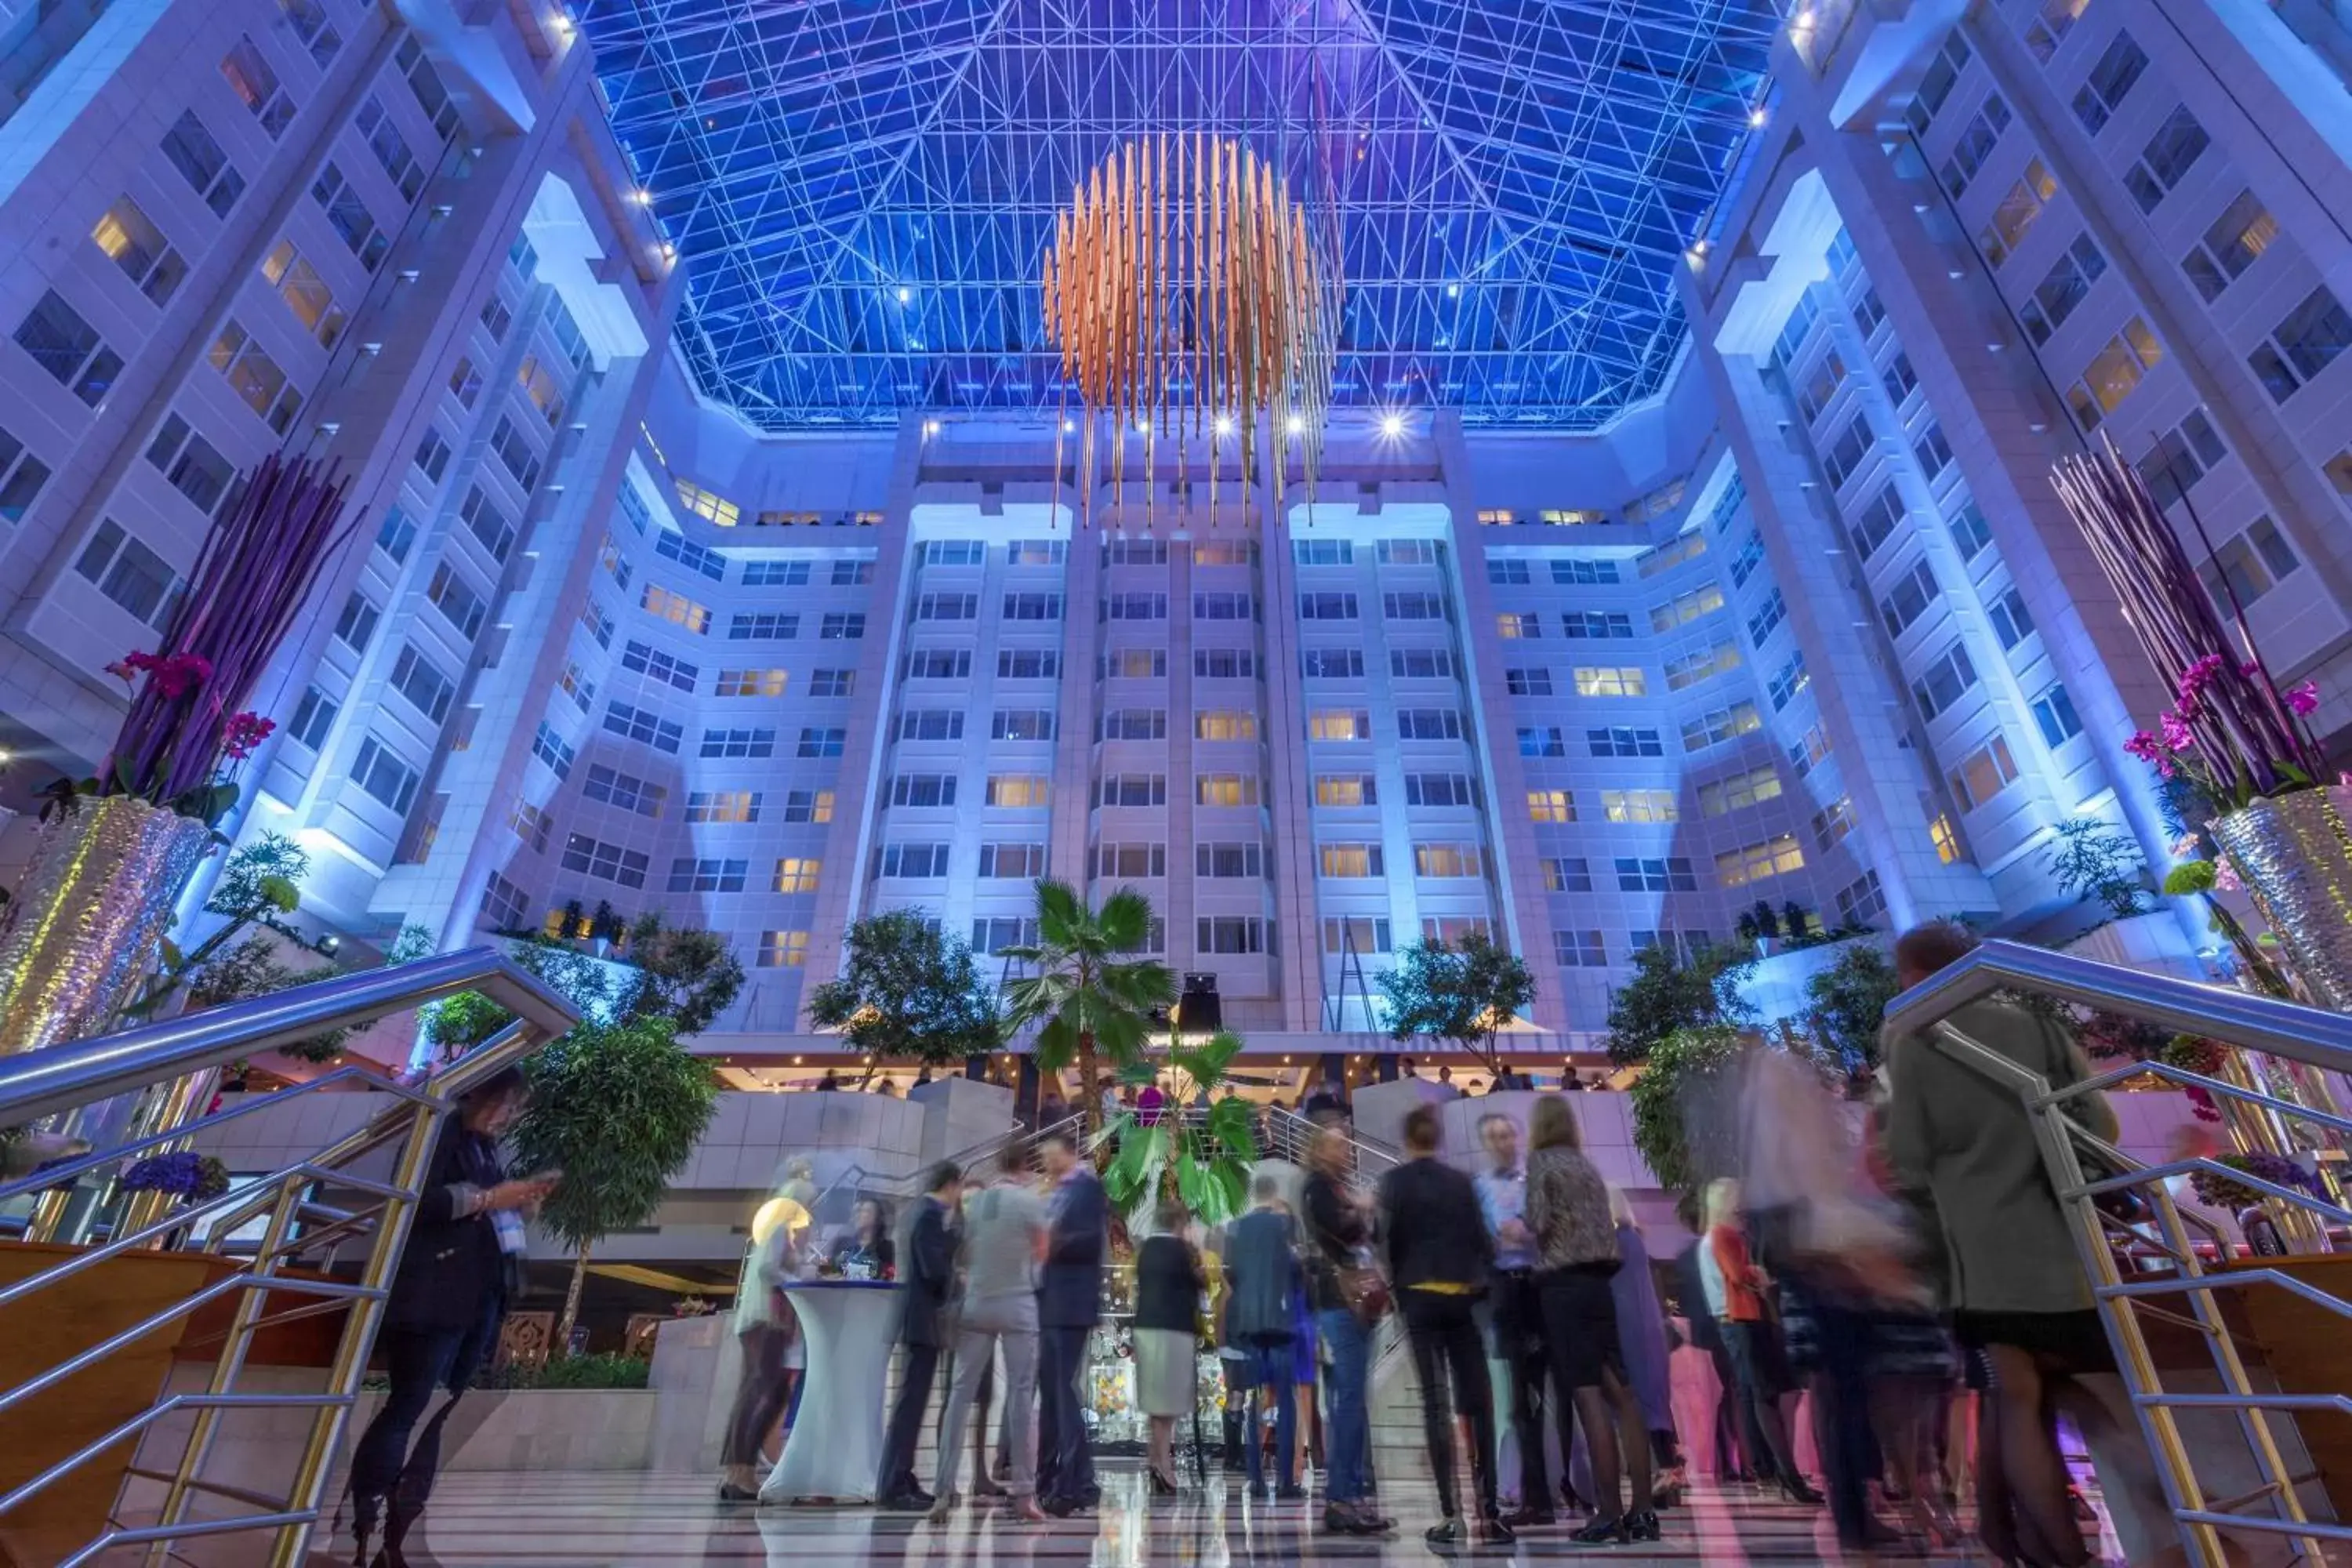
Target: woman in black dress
1167,1285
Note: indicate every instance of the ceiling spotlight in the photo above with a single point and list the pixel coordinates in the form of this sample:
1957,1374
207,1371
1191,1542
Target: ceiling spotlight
645,198
930,426
1224,423
1068,426
905,296
1392,426
1142,424
1453,290
1295,425
1802,19
1755,118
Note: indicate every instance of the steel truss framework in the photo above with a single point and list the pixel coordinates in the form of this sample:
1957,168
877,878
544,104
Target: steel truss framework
863,190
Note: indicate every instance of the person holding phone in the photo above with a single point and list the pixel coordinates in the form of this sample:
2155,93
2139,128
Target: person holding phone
462,1265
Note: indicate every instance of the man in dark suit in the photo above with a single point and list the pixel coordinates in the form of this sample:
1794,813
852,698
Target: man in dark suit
924,1290
1070,1299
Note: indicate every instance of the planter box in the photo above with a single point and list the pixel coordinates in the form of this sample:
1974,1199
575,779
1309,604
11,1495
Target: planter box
538,1429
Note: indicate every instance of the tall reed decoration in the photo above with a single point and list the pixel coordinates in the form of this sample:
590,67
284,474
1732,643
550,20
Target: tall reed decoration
121,845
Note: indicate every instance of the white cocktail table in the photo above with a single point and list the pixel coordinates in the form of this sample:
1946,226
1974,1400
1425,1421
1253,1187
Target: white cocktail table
834,1451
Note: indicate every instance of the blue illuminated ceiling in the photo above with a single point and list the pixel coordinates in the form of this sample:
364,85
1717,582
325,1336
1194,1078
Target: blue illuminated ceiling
862,189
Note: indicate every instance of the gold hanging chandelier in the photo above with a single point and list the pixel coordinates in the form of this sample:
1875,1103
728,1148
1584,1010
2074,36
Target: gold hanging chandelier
1189,300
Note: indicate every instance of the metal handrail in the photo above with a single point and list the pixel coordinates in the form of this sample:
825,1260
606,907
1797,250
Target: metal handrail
34,1084
2286,1029
39,1083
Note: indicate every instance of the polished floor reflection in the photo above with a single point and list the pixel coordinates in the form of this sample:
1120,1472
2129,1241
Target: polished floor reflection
576,1519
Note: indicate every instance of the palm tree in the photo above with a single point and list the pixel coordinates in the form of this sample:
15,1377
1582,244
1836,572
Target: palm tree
1200,1150
1092,1002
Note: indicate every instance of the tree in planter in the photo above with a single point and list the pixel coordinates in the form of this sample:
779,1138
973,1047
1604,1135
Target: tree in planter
1667,997
618,1109
1206,1167
2092,860
1464,992
259,885
1850,1000
1092,1002
679,973
1685,1118
908,989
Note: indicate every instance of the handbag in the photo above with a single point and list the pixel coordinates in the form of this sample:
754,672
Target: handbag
1364,1290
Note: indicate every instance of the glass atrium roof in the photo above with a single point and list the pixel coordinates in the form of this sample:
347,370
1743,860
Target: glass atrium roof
862,190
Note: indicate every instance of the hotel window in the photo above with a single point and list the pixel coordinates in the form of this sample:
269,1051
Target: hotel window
1026,606
1943,69
260,384
1410,552
1541,741
2305,343
1020,663
1135,553
762,626
417,678
192,150
1507,573
1228,860
1905,602
1427,724
1623,741
1595,624
1355,934
1453,928
1023,862
1758,862
1496,517
1945,837
1932,452
1832,823
2062,288
547,748
1946,681
1143,860
1135,789
1035,552
133,242
1669,875
1519,623
2011,622
992,934
1135,663
1019,790
1231,789
782,949
1982,773
708,504
709,875
1134,606
460,605
1579,950
1414,663
1224,664
1553,806
932,724
539,385
1322,552
1527,682
923,789
808,805
1843,455
348,215
2051,22
818,741
952,553
676,609
357,623
1221,606
831,682
947,607
1684,608
1229,933
2113,77
1639,805
662,667
1970,532
1447,862
607,862
754,743
2249,565
2166,159
195,467
1022,724
1413,607
672,546
1327,606
1720,724
1739,791
487,524
1690,668
1823,385
1224,552
2181,457
1338,724
1788,681
797,874
1899,379
1683,547
852,573
1346,791
250,78
913,860
2053,710
1876,522
1135,724
531,824
390,148
1580,570
1977,140
314,718
1349,861
1567,874
1626,680
2016,215
727,805
381,772
1440,789
2114,371
750,683
1224,725
1861,900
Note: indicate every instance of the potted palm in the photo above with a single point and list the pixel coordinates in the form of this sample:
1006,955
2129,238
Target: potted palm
1091,1000
1190,1147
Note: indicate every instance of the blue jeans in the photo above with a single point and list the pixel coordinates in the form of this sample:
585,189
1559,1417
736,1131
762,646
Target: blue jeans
1270,1368
1350,1439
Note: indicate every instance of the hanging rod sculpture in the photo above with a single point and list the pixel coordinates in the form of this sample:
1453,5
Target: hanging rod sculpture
1189,300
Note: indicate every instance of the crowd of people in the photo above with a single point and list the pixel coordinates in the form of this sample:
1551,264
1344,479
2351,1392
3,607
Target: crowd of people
1884,1265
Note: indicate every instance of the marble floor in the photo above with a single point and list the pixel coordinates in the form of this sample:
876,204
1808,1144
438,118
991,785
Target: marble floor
579,1519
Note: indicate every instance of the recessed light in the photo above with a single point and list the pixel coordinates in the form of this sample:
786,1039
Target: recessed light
905,296
1295,425
1392,426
